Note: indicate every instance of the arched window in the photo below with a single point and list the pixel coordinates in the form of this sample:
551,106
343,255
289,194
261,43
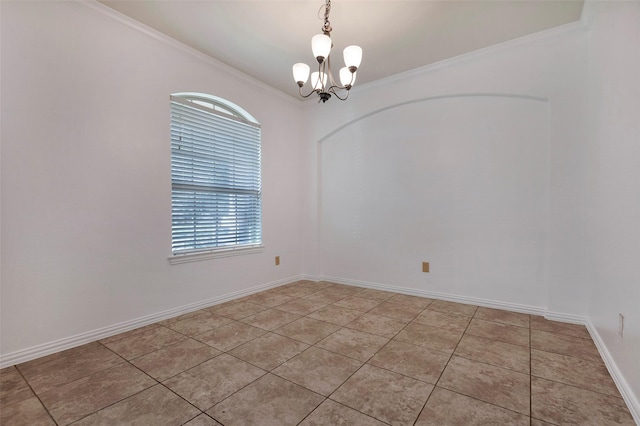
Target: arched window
216,196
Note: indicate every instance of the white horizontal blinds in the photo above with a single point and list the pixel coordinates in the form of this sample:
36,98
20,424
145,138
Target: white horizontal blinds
215,179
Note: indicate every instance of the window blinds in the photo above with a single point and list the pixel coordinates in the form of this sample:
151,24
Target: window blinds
215,179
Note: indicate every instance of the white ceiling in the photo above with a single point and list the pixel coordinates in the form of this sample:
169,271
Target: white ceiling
264,38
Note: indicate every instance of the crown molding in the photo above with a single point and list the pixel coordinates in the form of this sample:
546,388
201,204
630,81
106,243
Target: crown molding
580,25
175,44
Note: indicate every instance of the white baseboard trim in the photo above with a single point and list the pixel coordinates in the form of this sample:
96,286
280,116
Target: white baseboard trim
17,357
623,387
573,319
488,303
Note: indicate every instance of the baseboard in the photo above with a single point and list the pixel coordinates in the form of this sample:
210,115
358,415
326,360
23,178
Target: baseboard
487,303
623,387
38,351
573,319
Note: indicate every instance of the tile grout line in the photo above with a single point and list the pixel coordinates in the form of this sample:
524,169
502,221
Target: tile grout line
36,395
158,382
445,366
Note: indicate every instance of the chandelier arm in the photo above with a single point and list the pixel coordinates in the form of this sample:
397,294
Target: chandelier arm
332,82
332,90
307,95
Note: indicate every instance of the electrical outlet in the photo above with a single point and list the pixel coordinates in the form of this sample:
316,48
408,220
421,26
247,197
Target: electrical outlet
277,260
621,325
425,266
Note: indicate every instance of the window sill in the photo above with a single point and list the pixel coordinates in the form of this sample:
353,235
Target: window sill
214,254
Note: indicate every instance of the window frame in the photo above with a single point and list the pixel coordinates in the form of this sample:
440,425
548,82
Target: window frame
227,110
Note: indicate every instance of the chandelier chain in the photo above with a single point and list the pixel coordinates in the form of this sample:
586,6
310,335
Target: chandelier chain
326,27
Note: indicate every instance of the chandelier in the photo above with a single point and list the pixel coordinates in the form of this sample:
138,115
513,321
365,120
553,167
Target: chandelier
322,81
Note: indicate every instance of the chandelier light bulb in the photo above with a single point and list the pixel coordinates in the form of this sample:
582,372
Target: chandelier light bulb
347,78
321,46
352,56
301,73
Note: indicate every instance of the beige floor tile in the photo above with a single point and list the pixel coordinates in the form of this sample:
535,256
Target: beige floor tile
307,330
301,306
154,406
79,398
13,388
202,420
198,324
505,388
562,404
228,303
228,336
442,320
210,382
270,300
504,317
174,359
501,332
416,301
453,308
296,291
431,337
357,303
145,342
269,351
418,362
269,401
536,422
318,370
188,315
384,395
333,413
352,343
28,412
326,296
336,314
345,290
573,371
446,408
60,370
377,324
575,330
373,294
240,310
62,354
485,381
315,285
501,354
565,345
270,319
129,333
397,311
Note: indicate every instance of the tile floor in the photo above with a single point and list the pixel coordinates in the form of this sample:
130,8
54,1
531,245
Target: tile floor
324,354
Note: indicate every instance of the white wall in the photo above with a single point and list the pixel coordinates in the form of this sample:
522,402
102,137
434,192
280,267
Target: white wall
614,183
411,183
475,165
533,202
86,221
